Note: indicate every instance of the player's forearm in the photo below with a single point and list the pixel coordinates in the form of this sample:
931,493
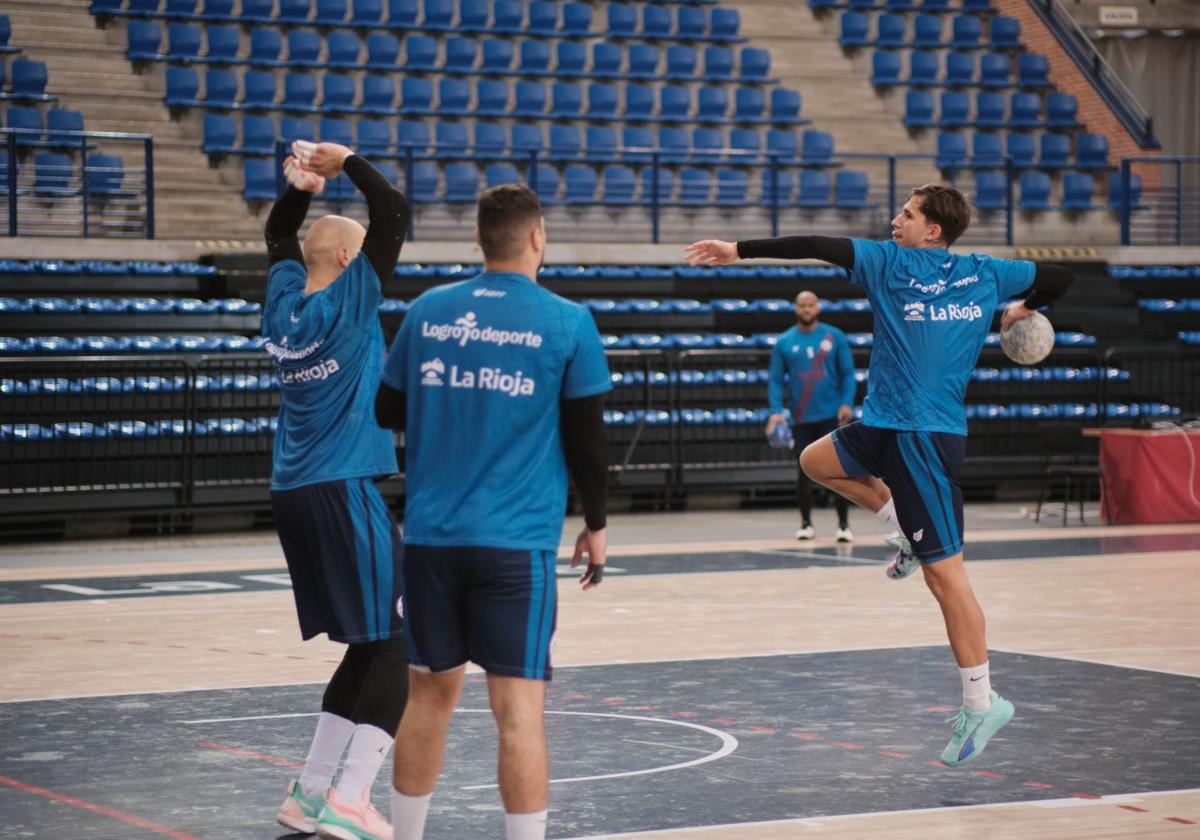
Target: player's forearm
388,211
830,249
1049,284
585,446
287,215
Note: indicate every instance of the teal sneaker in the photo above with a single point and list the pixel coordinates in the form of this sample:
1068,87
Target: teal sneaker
905,562
299,812
973,730
342,820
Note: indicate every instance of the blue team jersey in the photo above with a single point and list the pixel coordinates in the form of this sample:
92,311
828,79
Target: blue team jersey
811,392
484,364
933,310
328,352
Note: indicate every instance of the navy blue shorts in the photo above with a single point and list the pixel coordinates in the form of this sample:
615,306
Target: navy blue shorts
496,607
921,469
805,433
345,557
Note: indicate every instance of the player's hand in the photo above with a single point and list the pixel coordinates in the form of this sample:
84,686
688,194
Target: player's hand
845,414
1014,312
774,420
300,179
595,544
711,252
325,159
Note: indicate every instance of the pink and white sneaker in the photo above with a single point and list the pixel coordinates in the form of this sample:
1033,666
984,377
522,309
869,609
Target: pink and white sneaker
342,820
299,812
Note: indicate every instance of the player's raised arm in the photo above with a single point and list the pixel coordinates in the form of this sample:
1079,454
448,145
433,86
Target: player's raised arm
1050,282
836,250
386,206
287,215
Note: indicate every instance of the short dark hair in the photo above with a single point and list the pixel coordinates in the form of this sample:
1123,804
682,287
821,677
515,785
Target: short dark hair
947,207
506,214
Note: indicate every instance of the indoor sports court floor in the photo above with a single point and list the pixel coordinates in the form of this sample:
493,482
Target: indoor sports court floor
724,682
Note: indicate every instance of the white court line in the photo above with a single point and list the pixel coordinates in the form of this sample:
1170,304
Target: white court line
728,745
251,717
1098,662
808,556
1071,802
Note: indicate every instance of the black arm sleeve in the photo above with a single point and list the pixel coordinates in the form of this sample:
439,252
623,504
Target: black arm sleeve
390,407
389,213
284,223
831,249
1049,284
585,444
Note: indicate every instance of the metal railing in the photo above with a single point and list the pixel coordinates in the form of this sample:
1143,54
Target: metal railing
58,183
1159,200
1104,79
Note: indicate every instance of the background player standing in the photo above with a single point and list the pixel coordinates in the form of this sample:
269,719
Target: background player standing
812,376
343,551
932,311
499,385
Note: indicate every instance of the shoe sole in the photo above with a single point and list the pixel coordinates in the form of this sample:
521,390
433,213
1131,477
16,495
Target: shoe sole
844,540
308,826
336,832
987,740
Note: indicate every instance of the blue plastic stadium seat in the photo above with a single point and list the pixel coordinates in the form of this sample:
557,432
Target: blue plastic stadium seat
379,93
954,110
292,129
607,60
257,11
853,189
666,185
1025,110
986,151
816,148
732,187
420,53
724,24
755,66
413,136
543,19
602,142
143,8
545,182
535,58
622,21
220,134
990,190
572,58
366,14
885,68
454,96
473,16
144,40
745,145
951,151
619,184
259,177
461,54
29,125
438,16
855,30
672,144
636,141
183,42
639,102
706,145
423,188
960,69
1035,191
182,87
565,142
1115,196
265,47
293,11
416,96
1055,151
602,101
581,183
526,139
1061,111
491,98
104,175
1092,151
695,186
923,68
890,31
1004,33
299,92
258,135
814,188
63,127
531,100
990,109
781,145
337,93
342,50
656,22
995,70
785,106
497,56
1032,70
577,20
374,137
713,105
1022,149
566,101
777,191
675,103
383,51
1077,191
489,142
330,12
508,17
927,32
462,183
749,105
681,65
222,44
966,31
918,108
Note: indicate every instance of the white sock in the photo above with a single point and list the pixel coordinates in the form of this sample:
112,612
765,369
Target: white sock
887,514
977,687
368,748
408,815
525,826
329,742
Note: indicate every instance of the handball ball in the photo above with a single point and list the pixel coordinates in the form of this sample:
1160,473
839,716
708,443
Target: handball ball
781,437
1029,340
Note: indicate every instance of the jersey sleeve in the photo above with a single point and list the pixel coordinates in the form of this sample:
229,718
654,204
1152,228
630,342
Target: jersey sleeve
395,368
587,368
1013,277
870,262
285,279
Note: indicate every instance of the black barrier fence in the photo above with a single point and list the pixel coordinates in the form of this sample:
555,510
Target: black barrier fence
179,433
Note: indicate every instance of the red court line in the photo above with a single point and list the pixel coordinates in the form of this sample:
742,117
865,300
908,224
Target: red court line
848,745
1083,795
893,754
767,729
238,751
1179,820
1038,785
1134,808
98,809
988,774
805,736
